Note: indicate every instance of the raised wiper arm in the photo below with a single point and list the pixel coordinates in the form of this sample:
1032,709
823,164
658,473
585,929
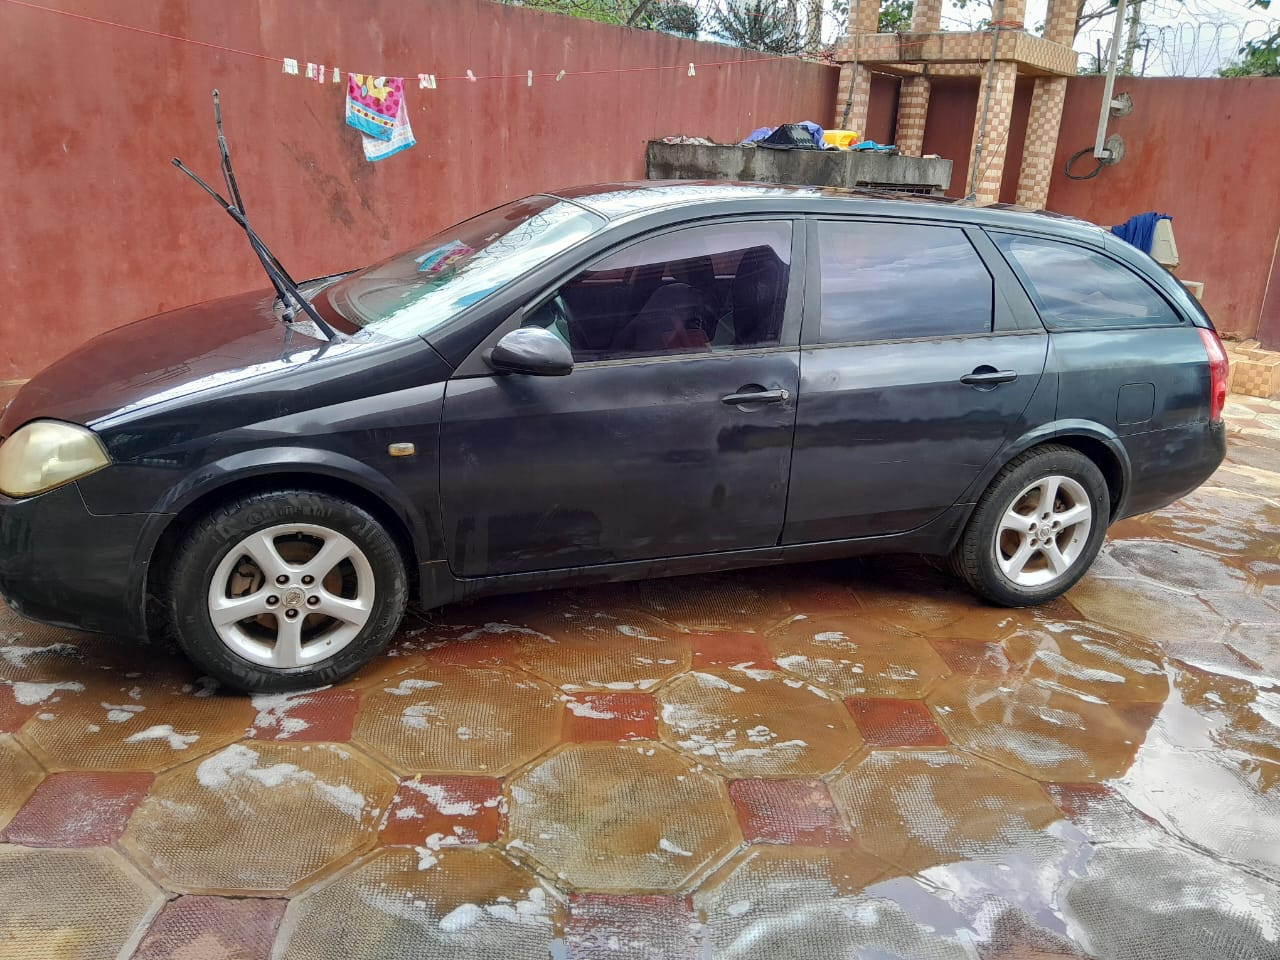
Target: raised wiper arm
291,299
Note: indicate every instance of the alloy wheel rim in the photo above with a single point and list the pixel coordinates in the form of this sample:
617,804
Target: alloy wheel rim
1044,531
291,595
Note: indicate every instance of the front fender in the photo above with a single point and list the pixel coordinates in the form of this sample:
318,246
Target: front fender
295,463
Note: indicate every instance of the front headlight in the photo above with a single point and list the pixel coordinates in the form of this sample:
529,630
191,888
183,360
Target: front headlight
46,454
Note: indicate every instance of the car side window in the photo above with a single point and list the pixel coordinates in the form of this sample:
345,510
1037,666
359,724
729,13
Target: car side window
714,287
890,281
1073,286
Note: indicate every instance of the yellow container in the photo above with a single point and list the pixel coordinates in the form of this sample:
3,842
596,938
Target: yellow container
843,139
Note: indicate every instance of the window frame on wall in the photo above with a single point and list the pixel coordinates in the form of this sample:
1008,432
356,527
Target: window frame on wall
1010,316
1175,317
793,293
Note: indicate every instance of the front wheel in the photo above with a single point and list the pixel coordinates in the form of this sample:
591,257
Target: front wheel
286,590
1036,530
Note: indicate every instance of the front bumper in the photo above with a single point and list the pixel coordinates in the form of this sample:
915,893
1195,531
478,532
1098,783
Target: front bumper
63,565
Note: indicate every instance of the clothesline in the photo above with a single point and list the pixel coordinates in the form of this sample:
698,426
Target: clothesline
527,75
469,76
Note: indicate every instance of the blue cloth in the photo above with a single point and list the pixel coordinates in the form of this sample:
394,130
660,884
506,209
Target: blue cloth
1140,230
759,133
873,146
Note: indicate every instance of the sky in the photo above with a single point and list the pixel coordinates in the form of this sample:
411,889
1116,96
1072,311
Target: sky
1188,38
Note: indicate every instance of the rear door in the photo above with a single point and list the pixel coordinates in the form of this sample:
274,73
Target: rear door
672,434
914,372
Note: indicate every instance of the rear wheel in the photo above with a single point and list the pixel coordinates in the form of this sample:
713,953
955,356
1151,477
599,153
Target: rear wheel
286,590
1036,530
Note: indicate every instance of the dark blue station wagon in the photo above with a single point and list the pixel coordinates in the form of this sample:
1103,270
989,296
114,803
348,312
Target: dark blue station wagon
609,382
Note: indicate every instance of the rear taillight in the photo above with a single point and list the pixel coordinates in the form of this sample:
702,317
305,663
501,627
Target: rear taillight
1217,373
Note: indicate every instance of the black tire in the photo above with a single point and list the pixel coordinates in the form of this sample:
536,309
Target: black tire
974,558
206,546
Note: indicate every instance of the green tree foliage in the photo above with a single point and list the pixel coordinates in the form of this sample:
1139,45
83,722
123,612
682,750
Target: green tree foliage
673,16
895,16
773,27
1258,58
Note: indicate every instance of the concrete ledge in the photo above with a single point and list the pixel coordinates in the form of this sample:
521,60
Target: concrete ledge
827,168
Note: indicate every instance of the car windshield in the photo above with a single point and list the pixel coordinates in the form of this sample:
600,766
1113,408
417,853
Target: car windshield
417,291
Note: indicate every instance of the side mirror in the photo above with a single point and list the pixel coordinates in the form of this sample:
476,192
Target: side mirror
532,350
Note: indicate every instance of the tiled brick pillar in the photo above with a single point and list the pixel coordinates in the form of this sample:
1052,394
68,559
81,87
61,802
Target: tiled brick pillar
913,107
1060,21
853,96
913,98
1041,142
991,138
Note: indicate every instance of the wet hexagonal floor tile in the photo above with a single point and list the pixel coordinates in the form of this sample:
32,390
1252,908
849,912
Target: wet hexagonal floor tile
1238,715
20,775
604,653
455,904
728,601
793,903
621,817
1038,728
1224,801
1221,521
442,719
1145,609
1257,641
109,721
920,808
756,723
1174,904
72,904
1099,664
858,657
258,817
1176,565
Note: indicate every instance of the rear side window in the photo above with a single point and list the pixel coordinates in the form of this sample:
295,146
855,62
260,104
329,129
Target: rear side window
1075,287
890,281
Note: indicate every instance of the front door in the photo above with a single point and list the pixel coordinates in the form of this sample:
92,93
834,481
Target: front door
670,437
913,376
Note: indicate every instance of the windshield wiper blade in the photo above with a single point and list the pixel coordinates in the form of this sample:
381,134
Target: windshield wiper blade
291,299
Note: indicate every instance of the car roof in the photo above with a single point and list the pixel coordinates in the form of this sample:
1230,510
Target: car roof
625,199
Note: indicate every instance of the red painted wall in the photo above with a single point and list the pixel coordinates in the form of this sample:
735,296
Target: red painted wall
100,230
1203,150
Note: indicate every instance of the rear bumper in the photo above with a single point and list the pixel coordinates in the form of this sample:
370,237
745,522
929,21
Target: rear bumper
63,565
1169,464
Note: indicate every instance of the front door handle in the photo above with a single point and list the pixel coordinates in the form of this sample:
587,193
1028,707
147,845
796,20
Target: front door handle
985,376
757,396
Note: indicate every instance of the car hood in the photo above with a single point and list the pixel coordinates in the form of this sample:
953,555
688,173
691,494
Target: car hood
166,357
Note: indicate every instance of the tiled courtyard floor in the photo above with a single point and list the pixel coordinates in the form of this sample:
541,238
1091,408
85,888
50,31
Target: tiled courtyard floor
827,761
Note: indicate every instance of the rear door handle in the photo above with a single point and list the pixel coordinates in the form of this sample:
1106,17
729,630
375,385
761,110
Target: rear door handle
757,396
988,377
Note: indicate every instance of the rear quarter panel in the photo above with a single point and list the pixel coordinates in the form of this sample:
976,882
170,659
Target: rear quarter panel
1150,387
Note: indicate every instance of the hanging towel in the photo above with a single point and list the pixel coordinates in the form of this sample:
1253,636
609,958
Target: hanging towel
401,138
373,104
1140,229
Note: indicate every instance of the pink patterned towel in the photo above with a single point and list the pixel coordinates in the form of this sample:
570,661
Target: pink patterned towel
373,103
